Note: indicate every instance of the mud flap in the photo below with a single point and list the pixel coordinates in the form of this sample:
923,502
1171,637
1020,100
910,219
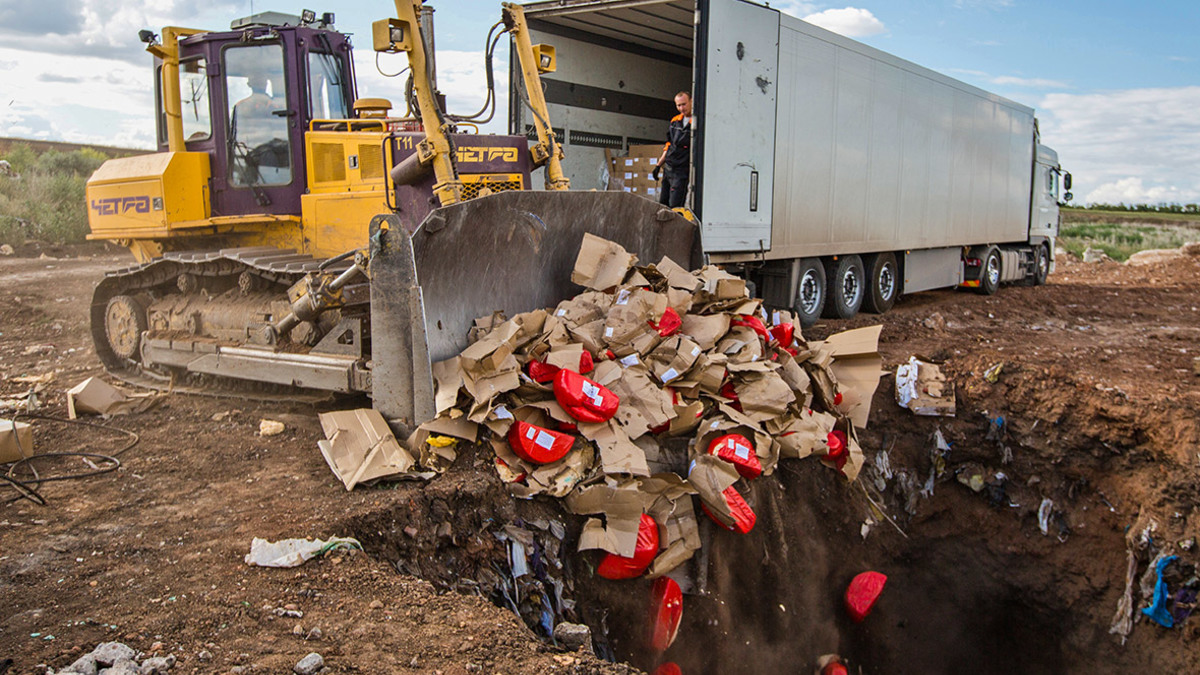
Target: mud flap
510,252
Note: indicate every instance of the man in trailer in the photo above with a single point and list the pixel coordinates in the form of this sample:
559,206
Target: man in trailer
677,154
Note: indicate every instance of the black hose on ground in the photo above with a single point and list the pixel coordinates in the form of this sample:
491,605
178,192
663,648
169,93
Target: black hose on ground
27,487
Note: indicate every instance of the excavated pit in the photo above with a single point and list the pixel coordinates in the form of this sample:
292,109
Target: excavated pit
973,583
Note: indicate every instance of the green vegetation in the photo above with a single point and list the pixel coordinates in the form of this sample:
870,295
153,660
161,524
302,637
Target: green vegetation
1120,234
46,200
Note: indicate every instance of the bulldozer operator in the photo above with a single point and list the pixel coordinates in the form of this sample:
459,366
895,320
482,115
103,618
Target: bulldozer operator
259,136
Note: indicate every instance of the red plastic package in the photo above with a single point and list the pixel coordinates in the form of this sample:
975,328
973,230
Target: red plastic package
862,593
834,668
535,444
738,451
542,373
668,324
586,363
666,610
752,322
784,334
839,448
583,399
615,566
743,515
668,668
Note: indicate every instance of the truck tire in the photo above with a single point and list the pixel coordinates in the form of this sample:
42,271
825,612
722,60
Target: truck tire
810,292
989,273
847,286
1041,265
883,282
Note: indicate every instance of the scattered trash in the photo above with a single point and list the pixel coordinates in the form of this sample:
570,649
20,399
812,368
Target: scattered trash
6,249
1157,611
270,428
666,609
38,350
16,441
1044,515
34,379
97,397
992,374
922,388
862,593
683,369
1122,621
1094,255
293,552
668,668
360,448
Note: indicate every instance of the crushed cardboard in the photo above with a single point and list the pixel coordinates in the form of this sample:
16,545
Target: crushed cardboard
713,369
922,388
360,448
16,441
97,397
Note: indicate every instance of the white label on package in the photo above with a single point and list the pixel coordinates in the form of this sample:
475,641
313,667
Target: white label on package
669,375
608,331
631,360
593,392
561,312
623,297
502,413
741,451
530,432
695,351
544,439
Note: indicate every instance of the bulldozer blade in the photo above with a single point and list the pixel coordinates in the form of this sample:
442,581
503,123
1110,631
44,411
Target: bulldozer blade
511,252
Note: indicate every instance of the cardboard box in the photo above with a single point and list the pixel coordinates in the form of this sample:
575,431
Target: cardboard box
95,396
16,443
922,388
361,447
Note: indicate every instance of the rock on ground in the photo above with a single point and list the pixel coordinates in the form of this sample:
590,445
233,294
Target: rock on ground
309,665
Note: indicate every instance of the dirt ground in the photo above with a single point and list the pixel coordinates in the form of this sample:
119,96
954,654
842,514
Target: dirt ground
1097,390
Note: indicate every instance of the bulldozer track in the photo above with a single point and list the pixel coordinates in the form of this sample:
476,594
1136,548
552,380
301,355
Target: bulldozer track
274,267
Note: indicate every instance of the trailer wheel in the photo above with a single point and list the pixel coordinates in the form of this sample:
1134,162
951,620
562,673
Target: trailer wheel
883,282
810,292
847,286
989,273
1041,265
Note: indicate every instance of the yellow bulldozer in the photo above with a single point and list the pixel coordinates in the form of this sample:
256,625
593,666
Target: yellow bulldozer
291,237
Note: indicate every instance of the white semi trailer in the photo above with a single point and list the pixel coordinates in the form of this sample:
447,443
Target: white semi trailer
832,174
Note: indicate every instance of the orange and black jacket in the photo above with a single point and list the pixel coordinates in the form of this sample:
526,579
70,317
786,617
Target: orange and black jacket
679,144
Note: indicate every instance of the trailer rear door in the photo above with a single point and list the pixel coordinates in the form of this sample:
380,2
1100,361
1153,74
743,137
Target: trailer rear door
737,59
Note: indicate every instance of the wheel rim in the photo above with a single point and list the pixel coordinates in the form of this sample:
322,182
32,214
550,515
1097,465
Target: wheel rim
122,327
1043,263
887,282
993,270
851,287
810,293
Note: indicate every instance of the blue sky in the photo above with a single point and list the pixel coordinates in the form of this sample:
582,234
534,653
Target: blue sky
1116,84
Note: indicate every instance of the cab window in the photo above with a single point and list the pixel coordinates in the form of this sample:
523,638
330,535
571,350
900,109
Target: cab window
326,87
259,153
193,95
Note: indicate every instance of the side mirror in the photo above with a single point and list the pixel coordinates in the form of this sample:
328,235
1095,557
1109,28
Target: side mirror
1067,181
1068,196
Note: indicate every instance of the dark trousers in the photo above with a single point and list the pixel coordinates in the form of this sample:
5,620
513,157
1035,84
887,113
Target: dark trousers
674,187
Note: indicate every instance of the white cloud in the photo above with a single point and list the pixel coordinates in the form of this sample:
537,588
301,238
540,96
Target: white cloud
848,21
796,8
1029,82
1140,145
1132,191
460,77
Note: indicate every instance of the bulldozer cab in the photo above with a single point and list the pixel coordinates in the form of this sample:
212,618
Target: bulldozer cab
248,96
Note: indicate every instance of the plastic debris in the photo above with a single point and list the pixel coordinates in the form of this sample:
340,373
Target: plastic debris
1157,611
862,593
1044,512
293,552
993,374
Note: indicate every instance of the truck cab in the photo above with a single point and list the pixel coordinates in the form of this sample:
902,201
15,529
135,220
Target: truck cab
248,97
